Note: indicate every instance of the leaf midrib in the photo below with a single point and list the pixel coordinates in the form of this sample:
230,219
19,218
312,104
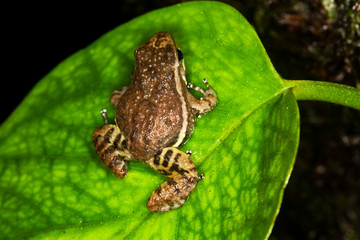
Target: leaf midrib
239,122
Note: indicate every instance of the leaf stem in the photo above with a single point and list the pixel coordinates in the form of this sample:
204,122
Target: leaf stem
325,91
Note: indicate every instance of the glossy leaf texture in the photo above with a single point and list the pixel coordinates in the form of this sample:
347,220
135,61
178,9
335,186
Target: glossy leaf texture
53,185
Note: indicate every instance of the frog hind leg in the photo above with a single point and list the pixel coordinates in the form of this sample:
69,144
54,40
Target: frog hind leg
173,193
207,102
111,148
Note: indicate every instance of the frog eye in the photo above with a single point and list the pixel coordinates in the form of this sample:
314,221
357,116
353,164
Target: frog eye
180,54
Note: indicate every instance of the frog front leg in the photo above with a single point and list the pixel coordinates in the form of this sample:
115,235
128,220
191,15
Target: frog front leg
173,193
207,102
116,95
111,148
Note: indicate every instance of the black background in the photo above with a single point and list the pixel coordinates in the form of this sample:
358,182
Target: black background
36,40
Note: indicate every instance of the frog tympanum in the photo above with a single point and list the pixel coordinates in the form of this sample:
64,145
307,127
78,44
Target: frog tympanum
155,115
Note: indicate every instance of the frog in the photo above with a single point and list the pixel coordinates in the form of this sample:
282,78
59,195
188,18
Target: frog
155,115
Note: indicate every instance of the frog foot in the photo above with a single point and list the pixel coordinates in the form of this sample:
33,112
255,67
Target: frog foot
173,193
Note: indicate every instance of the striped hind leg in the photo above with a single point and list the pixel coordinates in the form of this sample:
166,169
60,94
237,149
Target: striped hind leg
111,148
173,193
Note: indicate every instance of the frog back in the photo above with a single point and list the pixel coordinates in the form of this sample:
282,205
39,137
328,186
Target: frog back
151,121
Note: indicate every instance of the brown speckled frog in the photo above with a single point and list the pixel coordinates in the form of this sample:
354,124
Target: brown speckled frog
155,115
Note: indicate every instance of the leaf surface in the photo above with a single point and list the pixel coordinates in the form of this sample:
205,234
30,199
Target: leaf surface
53,185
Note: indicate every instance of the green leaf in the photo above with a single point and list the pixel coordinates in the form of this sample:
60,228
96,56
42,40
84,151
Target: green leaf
54,186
